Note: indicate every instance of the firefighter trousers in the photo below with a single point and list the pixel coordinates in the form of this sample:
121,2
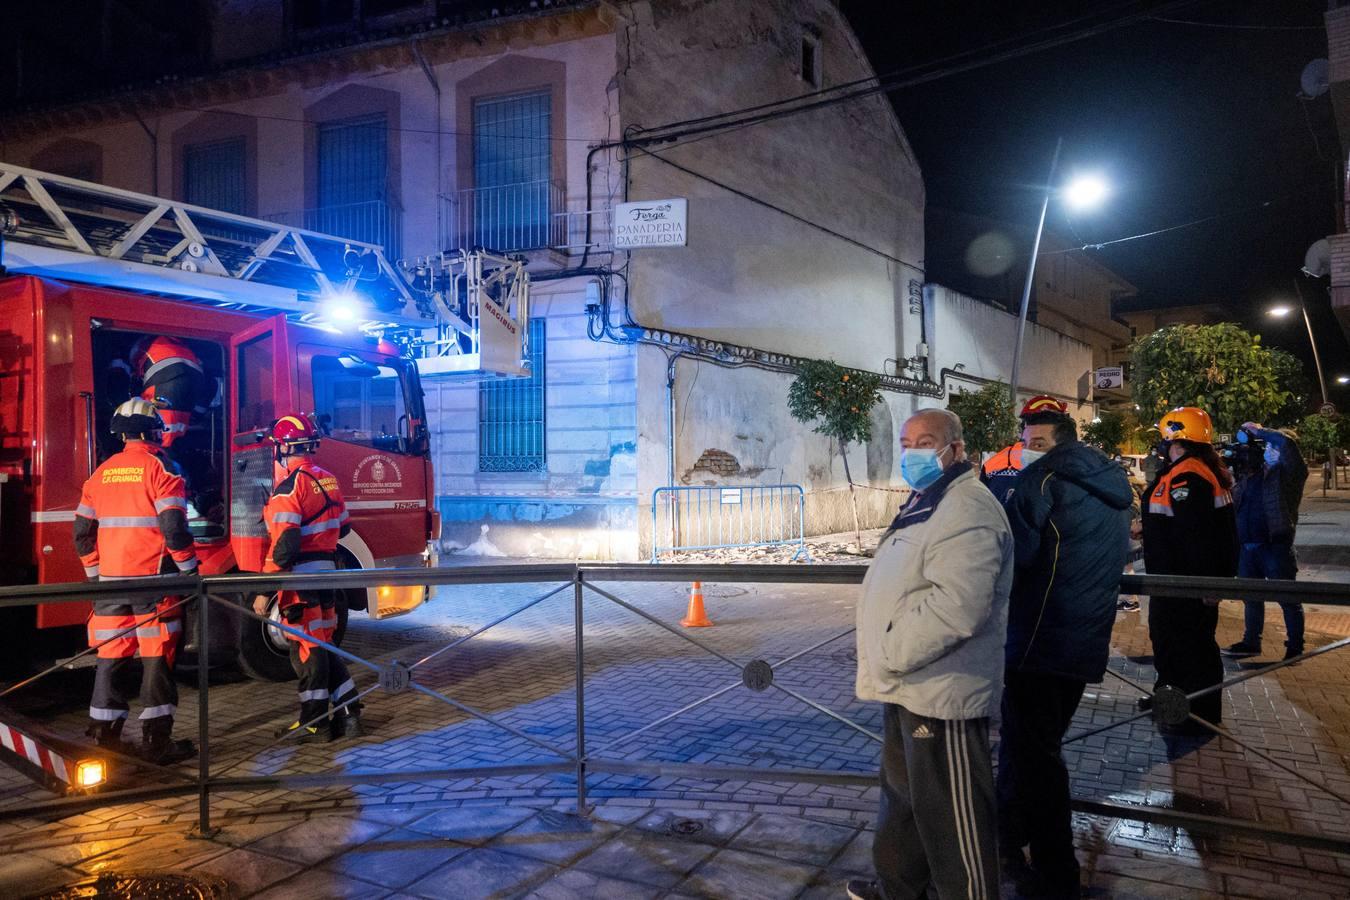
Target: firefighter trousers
157,642
323,676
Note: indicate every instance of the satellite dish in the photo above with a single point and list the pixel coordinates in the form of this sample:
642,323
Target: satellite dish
1317,261
1315,79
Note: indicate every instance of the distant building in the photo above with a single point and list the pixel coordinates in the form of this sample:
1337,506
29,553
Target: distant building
1072,294
1338,56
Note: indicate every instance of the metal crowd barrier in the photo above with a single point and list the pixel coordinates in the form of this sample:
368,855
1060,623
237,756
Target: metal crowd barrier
717,518
1168,705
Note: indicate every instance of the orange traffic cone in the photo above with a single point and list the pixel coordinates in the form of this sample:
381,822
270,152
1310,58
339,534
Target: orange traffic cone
696,617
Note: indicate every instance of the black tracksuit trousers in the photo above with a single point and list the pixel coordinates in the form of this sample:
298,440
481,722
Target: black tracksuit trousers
936,824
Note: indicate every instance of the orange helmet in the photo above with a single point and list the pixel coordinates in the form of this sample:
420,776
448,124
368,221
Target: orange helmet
1187,423
295,433
1043,404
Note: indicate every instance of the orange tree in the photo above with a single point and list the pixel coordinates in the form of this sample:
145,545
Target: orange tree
839,402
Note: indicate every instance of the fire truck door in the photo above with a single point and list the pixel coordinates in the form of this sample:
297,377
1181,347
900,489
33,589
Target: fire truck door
261,388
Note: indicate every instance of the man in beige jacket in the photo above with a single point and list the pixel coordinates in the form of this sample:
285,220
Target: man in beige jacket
931,626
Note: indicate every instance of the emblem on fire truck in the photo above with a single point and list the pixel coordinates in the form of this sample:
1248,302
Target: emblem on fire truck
377,474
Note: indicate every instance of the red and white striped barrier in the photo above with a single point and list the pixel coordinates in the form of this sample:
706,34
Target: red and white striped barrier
46,759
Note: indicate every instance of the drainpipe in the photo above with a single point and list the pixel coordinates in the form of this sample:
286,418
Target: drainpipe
435,89
154,153
670,416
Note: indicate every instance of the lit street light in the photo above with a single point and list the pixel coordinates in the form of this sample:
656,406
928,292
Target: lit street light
1279,312
1343,379
1081,193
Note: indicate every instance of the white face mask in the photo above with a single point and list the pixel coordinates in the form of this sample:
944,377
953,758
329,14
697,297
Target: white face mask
1030,456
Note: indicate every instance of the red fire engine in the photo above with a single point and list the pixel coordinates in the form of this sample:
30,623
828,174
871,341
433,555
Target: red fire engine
279,318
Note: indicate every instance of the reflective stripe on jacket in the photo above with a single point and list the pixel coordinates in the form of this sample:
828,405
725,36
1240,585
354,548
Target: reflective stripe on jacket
1160,501
999,472
161,354
133,510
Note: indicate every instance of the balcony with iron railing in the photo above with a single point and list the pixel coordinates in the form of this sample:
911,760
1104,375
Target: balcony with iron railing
522,217
372,221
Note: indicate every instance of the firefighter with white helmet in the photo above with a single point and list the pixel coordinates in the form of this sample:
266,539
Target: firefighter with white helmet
132,523
305,517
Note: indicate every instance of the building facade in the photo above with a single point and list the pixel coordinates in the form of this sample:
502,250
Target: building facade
430,126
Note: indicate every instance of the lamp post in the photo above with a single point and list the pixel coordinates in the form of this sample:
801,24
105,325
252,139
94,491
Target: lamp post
1083,192
1279,312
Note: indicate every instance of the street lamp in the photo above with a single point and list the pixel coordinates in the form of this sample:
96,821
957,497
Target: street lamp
1343,379
1081,192
1279,312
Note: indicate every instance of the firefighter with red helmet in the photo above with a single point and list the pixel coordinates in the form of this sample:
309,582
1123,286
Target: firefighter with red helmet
999,472
171,377
132,523
305,517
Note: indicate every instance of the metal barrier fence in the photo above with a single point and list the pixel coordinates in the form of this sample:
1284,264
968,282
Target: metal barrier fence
716,518
757,675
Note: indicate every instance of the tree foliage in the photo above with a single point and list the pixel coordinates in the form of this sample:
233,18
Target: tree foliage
987,422
1108,431
1222,369
1290,375
838,400
1318,434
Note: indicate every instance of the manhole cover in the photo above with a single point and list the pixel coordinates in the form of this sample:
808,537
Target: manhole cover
685,827
141,886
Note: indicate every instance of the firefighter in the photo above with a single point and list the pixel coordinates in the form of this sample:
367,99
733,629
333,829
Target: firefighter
1000,471
1189,528
132,523
171,377
305,517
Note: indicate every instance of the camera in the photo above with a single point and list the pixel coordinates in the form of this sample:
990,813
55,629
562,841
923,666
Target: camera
1246,457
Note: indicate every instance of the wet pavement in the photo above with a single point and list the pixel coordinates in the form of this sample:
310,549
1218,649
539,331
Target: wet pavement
663,836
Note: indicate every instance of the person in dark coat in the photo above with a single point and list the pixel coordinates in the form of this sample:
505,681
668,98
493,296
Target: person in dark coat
1070,520
1189,529
1267,497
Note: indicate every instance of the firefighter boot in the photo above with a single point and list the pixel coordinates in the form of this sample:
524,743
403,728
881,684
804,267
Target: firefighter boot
108,735
347,722
158,745
311,734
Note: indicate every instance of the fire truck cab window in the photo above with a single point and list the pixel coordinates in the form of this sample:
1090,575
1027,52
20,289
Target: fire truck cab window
360,402
256,406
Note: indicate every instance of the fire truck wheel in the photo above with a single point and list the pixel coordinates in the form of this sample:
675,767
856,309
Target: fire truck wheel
264,652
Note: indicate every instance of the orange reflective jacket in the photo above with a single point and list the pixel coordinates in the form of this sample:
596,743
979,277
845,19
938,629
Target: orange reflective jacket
305,516
1007,461
1160,501
133,511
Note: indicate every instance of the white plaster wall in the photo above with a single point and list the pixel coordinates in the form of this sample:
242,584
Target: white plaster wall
980,338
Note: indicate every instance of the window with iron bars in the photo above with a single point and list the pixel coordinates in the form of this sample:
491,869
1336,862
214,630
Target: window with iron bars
511,419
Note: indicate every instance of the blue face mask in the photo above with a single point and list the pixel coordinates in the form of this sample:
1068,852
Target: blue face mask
919,467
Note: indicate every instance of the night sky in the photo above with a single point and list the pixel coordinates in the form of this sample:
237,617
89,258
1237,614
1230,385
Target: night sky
1187,122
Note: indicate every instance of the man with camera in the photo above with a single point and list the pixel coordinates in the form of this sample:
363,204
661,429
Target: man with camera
1270,474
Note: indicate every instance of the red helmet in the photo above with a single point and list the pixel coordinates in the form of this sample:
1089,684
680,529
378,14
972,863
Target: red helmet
1044,404
295,433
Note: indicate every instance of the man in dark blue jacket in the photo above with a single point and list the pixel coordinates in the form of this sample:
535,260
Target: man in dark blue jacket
1267,501
1070,520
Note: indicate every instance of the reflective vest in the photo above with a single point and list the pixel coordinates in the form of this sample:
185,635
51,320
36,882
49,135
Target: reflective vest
133,511
162,360
999,472
305,516
1007,461
1160,501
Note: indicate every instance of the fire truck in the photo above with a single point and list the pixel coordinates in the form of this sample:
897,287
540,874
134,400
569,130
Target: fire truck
280,318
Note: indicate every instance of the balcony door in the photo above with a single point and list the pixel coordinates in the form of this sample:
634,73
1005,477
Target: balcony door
512,147
353,183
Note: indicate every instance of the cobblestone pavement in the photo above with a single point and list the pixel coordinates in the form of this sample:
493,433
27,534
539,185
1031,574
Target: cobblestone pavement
662,836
